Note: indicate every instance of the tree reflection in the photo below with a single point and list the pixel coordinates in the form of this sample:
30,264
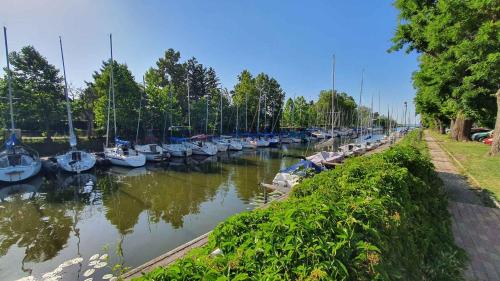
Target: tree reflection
30,223
167,196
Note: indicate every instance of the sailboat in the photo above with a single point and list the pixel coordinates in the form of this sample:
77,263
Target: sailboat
17,162
74,160
329,157
122,153
152,151
200,145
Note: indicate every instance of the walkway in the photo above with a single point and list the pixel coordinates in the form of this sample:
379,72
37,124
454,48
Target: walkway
476,228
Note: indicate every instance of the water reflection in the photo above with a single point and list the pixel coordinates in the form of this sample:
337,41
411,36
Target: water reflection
139,213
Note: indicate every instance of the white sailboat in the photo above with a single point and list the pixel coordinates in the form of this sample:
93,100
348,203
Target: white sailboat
74,160
200,146
152,151
17,162
121,154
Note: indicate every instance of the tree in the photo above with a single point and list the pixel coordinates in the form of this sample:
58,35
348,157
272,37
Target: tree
38,91
246,96
127,96
459,59
83,106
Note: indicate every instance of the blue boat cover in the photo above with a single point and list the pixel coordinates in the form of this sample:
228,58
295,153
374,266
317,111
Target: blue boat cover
178,140
120,142
302,165
12,141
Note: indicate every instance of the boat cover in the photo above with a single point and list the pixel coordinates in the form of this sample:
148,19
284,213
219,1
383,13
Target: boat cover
302,165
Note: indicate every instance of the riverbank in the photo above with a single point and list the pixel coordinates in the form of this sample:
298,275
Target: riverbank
473,161
352,222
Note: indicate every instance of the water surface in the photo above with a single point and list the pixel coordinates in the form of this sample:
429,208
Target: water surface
133,215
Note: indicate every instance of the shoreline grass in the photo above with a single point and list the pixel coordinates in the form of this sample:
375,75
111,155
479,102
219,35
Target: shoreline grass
475,162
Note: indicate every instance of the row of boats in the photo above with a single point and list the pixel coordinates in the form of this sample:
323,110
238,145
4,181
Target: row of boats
322,160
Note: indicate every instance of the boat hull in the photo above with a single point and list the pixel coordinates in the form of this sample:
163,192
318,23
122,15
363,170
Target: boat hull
19,173
133,160
68,163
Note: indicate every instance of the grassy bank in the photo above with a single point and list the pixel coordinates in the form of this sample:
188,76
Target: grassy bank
61,145
475,161
381,217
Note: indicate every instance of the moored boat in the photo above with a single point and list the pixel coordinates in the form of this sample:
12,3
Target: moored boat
292,175
17,162
75,161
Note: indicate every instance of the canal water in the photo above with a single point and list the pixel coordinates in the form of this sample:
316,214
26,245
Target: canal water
52,227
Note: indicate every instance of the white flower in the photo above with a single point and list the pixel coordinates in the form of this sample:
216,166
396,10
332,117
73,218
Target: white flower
94,257
101,264
88,272
107,276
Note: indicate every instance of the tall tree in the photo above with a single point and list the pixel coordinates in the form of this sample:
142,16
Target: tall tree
83,106
459,59
38,91
127,96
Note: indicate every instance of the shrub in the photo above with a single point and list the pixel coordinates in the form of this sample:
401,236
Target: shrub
380,217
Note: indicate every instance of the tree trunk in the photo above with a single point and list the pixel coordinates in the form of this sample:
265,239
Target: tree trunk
48,138
453,130
495,147
90,125
461,128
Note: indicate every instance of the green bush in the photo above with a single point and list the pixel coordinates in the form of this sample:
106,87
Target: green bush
381,217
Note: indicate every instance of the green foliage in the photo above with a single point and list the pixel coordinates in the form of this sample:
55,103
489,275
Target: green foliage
37,90
460,58
381,217
247,93
127,96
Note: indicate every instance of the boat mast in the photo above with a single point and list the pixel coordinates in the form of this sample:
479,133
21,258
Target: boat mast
112,83
258,110
333,94
371,116
140,106
246,112
237,119
379,111
72,137
9,81
359,107
221,93
265,110
189,109
206,119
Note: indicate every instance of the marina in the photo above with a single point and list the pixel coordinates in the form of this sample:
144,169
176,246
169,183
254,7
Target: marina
131,214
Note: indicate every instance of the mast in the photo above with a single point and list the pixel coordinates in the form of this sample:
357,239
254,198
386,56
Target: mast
406,107
359,106
206,119
379,109
189,107
246,112
371,116
112,83
139,119
237,119
333,94
9,81
221,113
258,110
72,137
265,109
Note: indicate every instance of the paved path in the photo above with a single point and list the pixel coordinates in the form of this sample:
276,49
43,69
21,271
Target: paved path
476,228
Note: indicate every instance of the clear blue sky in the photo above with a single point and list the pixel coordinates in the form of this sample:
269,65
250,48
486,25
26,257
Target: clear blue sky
292,41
